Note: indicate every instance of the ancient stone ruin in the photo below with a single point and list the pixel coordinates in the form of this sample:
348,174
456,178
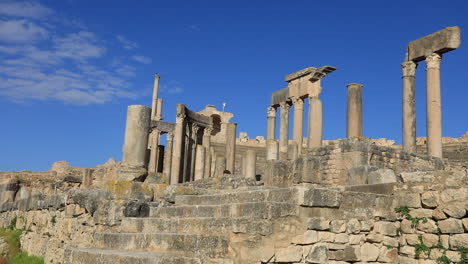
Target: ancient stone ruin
190,191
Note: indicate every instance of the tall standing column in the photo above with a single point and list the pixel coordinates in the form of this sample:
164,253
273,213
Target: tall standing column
199,162
136,135
298,122
153,162
354,111
168,158
177,154
250,164
284,130
207,145
194,144
158,115
433,104
271,122
315,122
408,69
231,146
154,102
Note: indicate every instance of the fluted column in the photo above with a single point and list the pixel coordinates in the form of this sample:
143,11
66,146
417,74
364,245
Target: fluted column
408,69
298,122
153,162
168,158
284,130
271,122
207,145
354,110
315,122
433,104
177,155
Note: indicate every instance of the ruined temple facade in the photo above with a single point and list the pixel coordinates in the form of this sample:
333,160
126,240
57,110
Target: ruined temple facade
192,192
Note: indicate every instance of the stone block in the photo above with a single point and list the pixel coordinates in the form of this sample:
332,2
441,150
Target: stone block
407,227
459,241
451,226
289,254
367,225
359,175
386,228
441,41
438,214
412,200
430,199
352,254
318,223
353,226
326,236
455,210
369,252
388,254
390,242
381,176
321,197
421,213
417,176
375,238
429,226
465,224
338,226
356,239
317,254
342,238
309,237
430,239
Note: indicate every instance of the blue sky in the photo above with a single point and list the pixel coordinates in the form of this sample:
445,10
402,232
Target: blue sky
68,69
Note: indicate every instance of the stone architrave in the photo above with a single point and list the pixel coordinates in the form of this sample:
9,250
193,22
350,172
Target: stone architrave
168,159
199,162
153,161
315,122
250,164
354,110
284,130
409,106
230,146
298,122
207,145
433,105
439,42
136,135
271,149
271,122
177,153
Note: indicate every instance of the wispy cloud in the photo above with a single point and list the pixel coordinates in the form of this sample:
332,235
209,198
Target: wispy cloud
126,43
142,59
40,64
24,9
172,87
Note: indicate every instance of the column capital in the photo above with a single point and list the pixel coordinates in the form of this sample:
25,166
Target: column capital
170,135
207,131
315,92
298,102
195,128
433,61
271,111
408,68
354,86
285,105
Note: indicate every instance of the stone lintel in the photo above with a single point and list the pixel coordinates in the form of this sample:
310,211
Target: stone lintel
194,117
280,96
164,127
315,73
440,42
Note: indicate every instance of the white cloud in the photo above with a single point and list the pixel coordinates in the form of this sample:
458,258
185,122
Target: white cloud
81,45
21,31
126,43
142,59
30,9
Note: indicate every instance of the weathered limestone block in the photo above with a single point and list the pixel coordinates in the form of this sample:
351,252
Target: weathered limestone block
417,176
430,239
438,214
369,252
441,41
430,199
465,224
390,241
342,238
381,176
338,226
309,237
321,197
451,226
278,173
289,254
459,241
326,236
356,239
353,226
318,223
412,200
421,213
429,226
317,254
388,254
455,210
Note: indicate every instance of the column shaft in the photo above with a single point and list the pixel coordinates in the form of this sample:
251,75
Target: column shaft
231,147
194,146
177,153
284,130
153,161
433,105
168,159
136,135
271,149
409,106
250,164
298,122
154,102
315,122
207,145
199,162
354,110
271,123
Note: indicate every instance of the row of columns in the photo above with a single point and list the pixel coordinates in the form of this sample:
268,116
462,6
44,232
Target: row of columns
433,106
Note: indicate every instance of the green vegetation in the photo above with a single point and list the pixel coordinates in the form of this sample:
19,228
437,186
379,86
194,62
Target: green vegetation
23,258
422,248
405,211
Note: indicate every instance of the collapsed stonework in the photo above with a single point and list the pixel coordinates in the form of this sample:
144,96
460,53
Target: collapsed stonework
201,195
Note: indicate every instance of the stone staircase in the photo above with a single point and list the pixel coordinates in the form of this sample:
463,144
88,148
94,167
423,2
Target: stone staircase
210,228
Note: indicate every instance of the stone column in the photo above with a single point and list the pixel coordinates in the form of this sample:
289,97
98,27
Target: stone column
271,122
177,155
231,146
194,144
136,135
284,130
168,159
154,102
271,149
354,111
207,145
408,69
315,122
298,122
433,105
159,109
153,161
220,165
199,162
250,164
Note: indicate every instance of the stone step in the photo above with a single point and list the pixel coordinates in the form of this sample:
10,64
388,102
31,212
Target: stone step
200,225
272,195
254,210
188,244
106,256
